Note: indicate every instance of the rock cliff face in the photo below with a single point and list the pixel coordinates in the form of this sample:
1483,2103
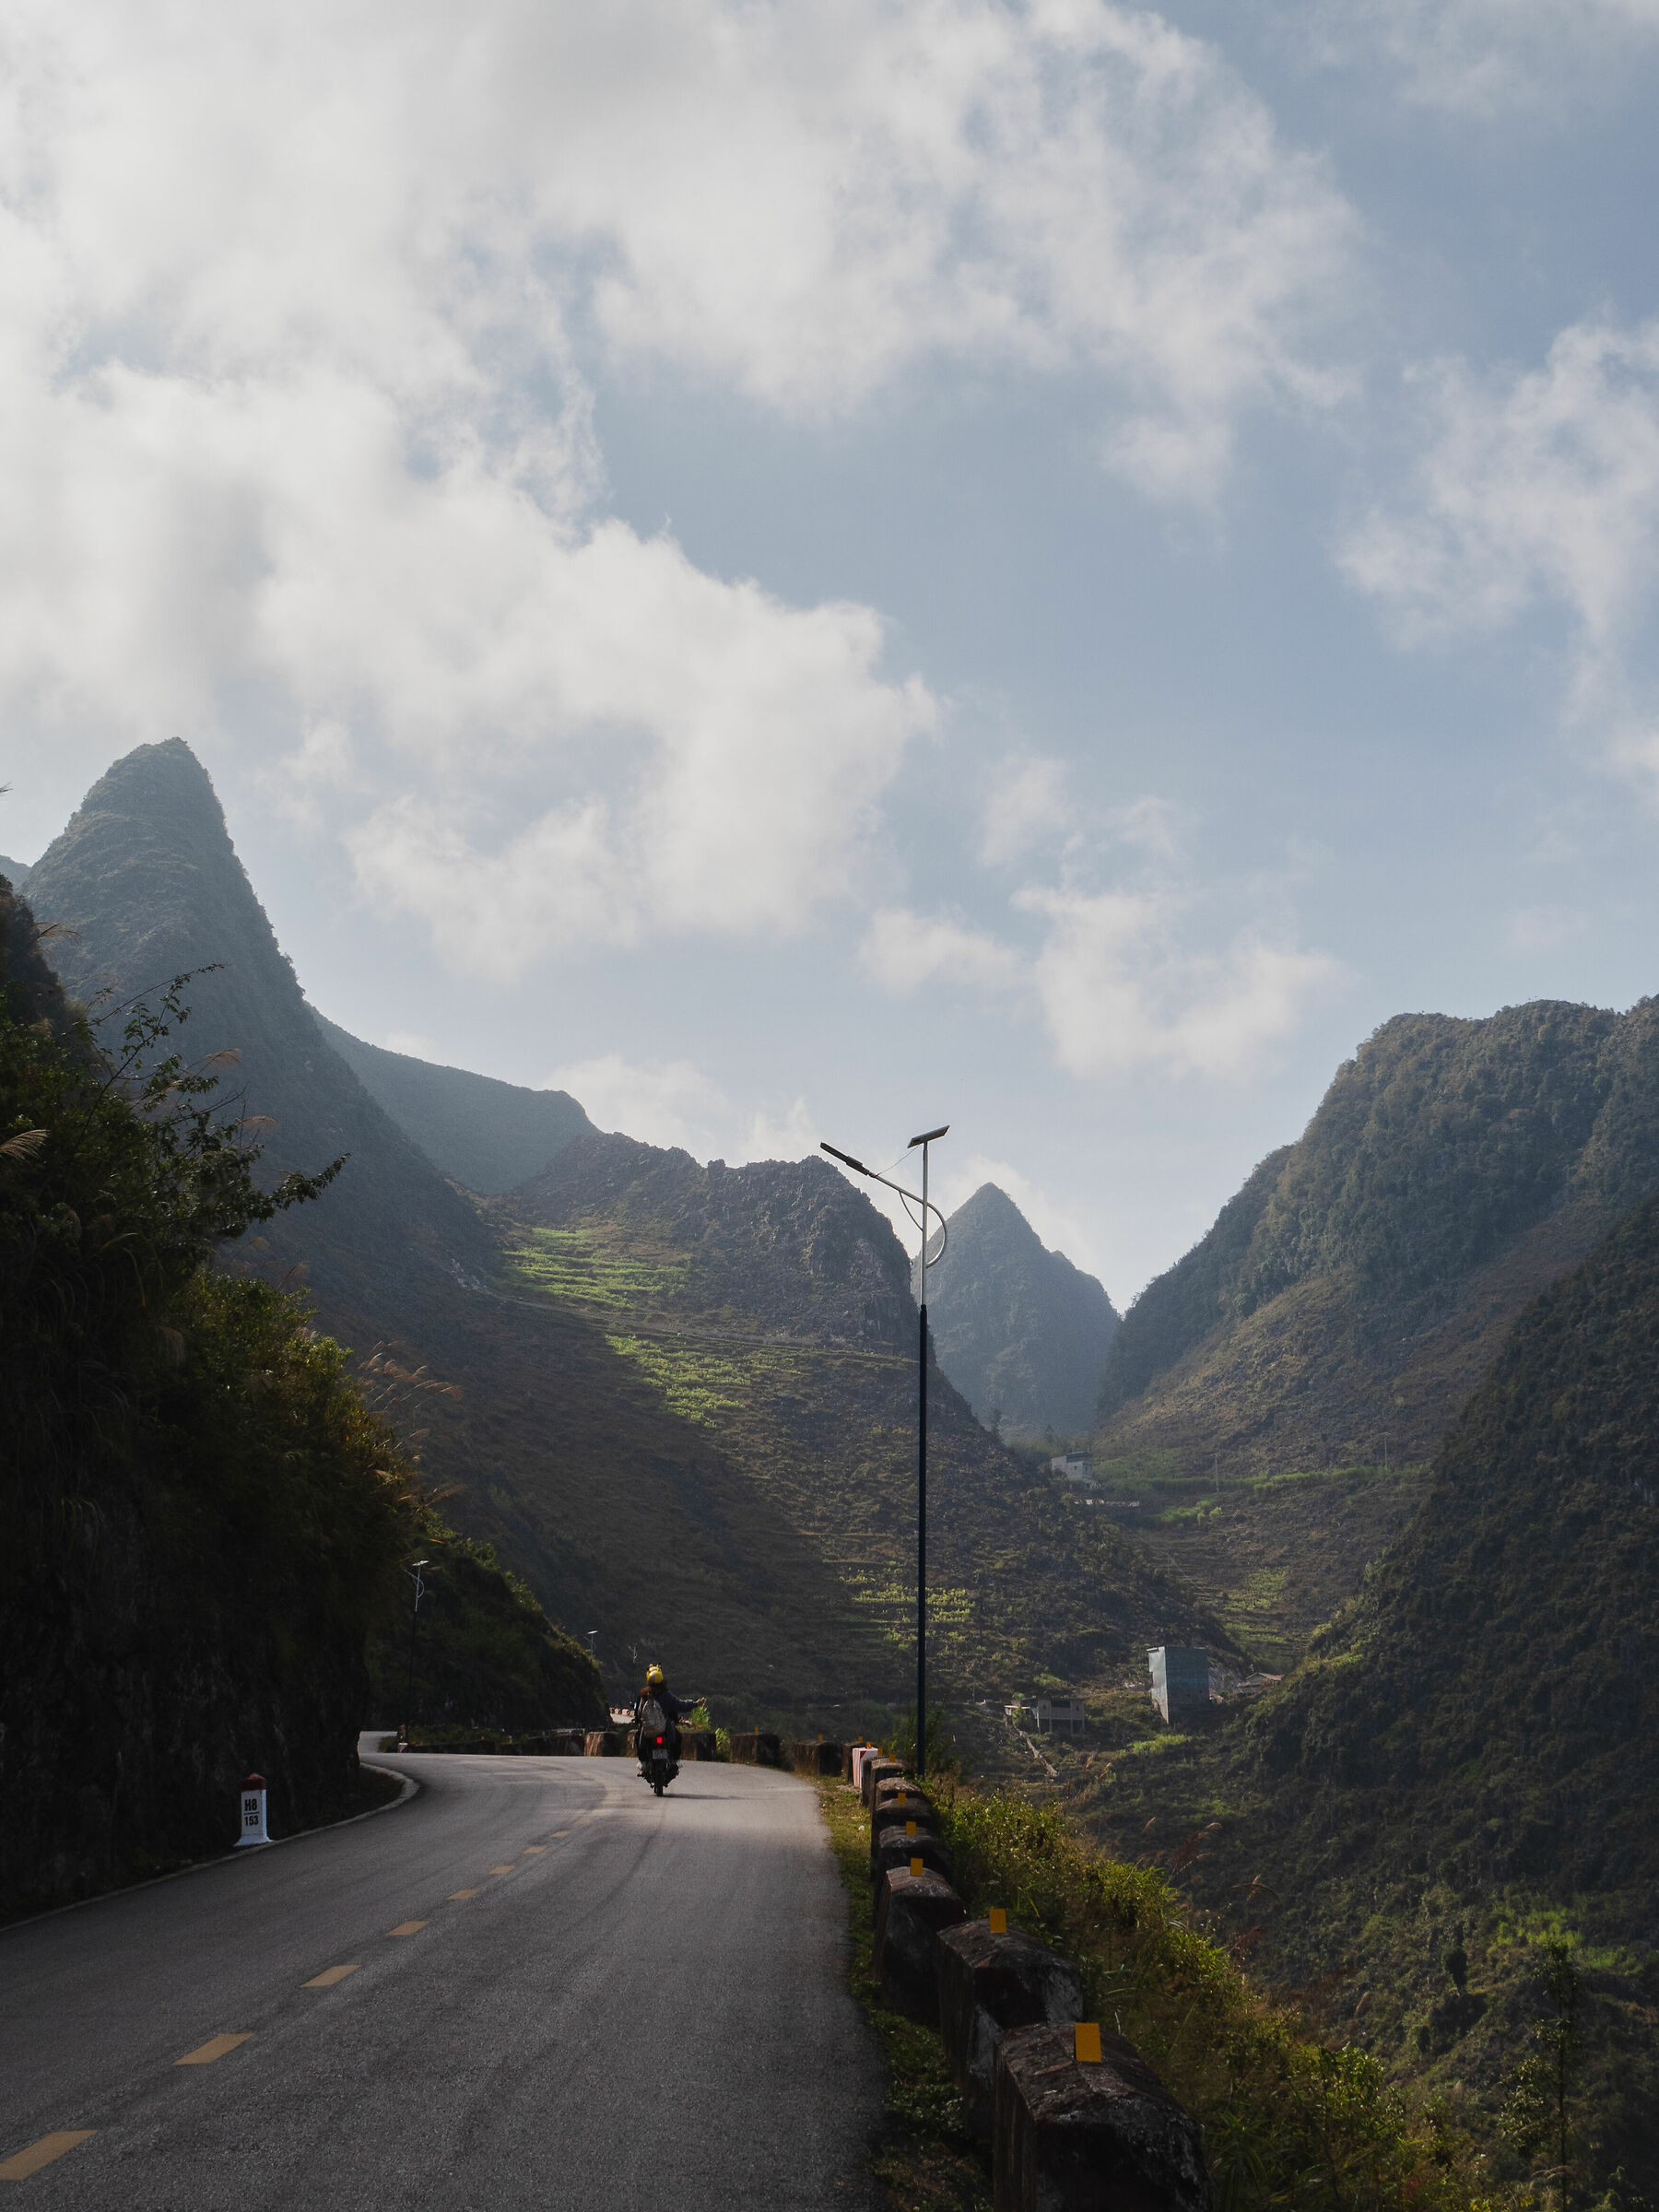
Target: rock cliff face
1361,1285
1020,1331
144,884
486,1133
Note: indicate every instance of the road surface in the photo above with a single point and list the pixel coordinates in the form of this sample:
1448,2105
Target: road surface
533,1984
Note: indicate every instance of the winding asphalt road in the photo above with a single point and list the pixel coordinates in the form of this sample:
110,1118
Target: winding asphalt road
533,1984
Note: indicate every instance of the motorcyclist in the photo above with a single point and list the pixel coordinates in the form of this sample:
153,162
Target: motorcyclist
673,1709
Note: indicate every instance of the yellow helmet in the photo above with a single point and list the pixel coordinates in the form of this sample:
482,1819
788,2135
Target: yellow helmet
654,1677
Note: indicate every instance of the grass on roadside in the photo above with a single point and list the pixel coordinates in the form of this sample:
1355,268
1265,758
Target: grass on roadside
1287,2117
921,2154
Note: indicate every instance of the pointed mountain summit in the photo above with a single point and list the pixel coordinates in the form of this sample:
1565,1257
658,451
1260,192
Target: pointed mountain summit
1020,1330
1360,1286
486,1133
144,884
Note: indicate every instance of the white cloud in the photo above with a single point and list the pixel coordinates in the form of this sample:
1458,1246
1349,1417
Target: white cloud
1538,489
1482,58
1545,928
669,1102
1120,990
904,951
294,437
1027,806
1536,484
673,1102
1118,983
808,203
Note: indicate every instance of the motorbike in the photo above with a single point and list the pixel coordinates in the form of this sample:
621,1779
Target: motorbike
655,1742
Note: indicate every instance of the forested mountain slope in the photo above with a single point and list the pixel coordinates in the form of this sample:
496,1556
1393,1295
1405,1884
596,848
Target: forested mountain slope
1020,1331
1469,1759
630,1504
484,1133
1358,1288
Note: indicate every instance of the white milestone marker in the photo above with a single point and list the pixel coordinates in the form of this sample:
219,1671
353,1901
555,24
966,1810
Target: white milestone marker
254,1830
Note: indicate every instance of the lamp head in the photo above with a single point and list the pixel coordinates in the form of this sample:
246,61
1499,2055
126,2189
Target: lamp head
846,1158
928,1137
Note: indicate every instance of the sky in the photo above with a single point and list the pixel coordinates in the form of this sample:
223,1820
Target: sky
812,571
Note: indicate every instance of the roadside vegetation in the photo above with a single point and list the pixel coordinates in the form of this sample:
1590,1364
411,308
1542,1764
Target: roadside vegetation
205,1519
1290,2117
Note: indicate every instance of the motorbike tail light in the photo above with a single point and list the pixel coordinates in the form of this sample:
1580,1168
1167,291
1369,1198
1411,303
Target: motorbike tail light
659,1739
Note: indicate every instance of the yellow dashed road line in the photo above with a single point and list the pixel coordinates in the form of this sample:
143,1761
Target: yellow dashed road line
26,2162
209,2051
328,1977
530,1849
500,1870
406,1927
456,1896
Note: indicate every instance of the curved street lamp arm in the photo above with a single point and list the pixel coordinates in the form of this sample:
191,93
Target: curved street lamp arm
911,1198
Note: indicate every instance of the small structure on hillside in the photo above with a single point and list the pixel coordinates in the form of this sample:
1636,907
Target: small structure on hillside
1076,1466
1065,1713
1180,1681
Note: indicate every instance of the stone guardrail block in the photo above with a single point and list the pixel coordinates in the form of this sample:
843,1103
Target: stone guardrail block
989,1983
602,1743
875,1770
892,1847
849,1753
757,1748
698,1742
902,1785
898,1812
817,1758
1075,2134
911,1909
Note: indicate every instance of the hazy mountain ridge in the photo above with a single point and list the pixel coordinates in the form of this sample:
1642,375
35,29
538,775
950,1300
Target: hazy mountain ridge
1020,1329
484,1133
1358,1287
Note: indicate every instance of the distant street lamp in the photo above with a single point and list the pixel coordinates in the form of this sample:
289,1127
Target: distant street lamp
415,1576
928,1136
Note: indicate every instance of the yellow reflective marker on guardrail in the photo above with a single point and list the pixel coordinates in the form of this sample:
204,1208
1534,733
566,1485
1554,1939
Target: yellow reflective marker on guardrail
916,1866
1087,2041
999,1920
910,1828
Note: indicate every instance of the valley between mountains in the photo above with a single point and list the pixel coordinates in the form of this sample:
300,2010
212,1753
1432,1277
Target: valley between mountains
1382,1446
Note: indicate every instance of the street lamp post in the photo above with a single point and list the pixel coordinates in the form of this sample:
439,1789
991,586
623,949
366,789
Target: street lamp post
928,1136
414,1574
